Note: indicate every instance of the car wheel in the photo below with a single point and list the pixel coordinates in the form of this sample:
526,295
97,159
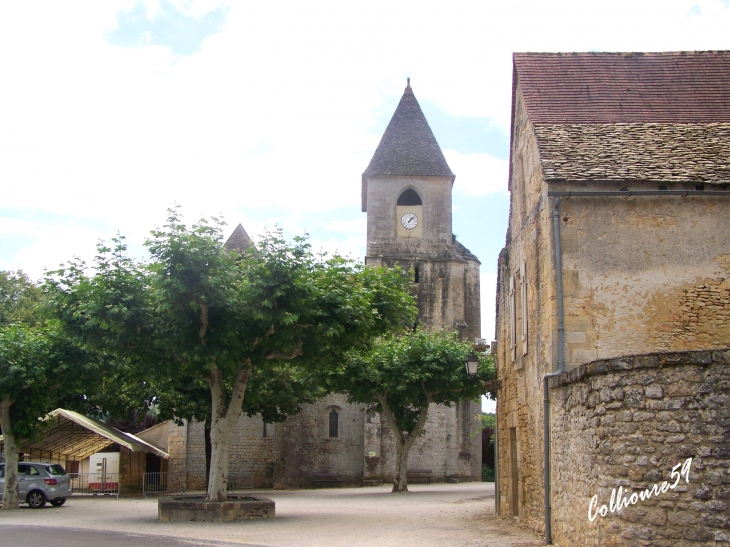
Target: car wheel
36,499
58,502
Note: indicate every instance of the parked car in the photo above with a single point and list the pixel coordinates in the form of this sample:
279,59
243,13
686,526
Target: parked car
39,483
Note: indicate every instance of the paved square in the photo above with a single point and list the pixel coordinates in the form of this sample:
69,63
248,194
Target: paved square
435,515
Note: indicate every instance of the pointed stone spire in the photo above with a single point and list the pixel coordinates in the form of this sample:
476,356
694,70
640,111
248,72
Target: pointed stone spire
408,146
239,241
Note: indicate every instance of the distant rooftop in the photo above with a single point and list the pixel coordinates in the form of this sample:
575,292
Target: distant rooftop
239,241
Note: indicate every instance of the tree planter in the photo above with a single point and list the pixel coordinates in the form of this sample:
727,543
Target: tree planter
187,508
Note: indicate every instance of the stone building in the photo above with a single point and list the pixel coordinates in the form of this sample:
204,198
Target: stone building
406,192
614,281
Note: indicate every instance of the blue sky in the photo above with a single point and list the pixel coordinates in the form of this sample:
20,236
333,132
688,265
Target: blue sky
268,112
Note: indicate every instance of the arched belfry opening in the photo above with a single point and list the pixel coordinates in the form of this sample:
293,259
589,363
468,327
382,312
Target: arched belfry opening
409,197
409,214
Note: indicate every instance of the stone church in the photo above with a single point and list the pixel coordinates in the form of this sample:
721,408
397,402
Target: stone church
406,193
613,302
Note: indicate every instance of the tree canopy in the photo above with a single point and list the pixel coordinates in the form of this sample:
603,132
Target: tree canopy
39,368
400,376
250,327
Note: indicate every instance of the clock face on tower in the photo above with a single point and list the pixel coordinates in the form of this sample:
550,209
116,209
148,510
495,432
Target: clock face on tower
409,221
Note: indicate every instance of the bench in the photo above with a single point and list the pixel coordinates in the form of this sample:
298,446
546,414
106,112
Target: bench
419,474
326,479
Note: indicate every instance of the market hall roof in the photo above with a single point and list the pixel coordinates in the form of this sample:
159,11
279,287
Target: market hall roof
74,436
628,116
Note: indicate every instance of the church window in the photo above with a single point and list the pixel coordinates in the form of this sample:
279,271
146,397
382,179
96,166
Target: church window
334,423
409,197
416,274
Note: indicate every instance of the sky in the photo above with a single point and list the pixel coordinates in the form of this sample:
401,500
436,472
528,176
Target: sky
267,113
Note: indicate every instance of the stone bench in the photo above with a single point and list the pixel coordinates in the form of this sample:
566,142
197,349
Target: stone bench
326,479
413,475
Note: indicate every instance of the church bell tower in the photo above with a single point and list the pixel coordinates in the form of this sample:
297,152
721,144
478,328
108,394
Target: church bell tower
406,193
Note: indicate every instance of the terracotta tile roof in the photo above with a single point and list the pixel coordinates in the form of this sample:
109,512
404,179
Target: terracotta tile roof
676,87
408,146
640,152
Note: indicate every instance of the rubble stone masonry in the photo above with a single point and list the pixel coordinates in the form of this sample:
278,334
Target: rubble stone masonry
626,423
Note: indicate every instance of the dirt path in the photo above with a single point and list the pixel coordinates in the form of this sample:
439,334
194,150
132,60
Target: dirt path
438,515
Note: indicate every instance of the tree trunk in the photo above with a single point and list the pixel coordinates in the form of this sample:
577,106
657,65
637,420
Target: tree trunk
10,490
400,482
224,419
208,451
403,443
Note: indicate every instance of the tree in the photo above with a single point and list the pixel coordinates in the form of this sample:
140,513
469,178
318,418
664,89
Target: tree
38,368
19,297
205,316
401,376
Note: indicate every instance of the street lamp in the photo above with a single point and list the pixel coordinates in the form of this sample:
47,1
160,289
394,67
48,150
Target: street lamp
471,363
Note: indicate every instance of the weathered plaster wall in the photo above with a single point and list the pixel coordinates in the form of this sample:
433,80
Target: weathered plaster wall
644,274
626,422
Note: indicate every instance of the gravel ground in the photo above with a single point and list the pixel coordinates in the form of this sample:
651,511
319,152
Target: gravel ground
438,515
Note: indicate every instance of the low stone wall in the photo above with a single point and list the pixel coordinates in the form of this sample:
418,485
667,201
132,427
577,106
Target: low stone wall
626,423
195,508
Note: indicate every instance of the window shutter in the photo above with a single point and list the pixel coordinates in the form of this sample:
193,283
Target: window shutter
512,318
523,298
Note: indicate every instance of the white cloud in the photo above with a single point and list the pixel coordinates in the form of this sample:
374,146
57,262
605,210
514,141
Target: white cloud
352,247
113,136
488,292
478,174
50,245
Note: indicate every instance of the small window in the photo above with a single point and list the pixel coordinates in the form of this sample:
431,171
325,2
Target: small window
409,197
334,423
416,276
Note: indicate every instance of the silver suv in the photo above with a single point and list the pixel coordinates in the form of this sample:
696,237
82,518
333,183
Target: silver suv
39,483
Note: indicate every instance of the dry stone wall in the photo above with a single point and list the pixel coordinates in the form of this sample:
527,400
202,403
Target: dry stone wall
625,423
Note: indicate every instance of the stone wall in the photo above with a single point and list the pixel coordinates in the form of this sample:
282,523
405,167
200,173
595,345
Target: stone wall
527,261
304,447
625,423
252,454
450,446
